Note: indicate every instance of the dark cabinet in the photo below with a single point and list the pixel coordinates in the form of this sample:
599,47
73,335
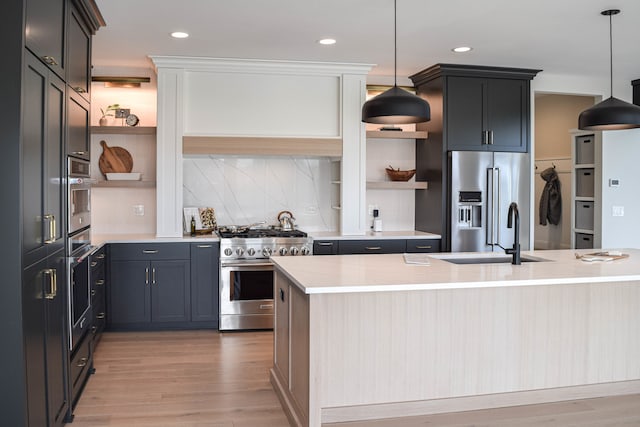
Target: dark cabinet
98,278
78,126
44,32
148,283
325,247
487,114
348,247
205,299
78,54
45,340
42,161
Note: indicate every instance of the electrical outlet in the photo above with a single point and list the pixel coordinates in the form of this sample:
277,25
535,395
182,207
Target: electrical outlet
617,210
138,210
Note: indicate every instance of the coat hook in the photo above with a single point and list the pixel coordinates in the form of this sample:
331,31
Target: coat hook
553,164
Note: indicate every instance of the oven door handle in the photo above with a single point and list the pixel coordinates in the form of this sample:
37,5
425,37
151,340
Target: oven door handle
246,264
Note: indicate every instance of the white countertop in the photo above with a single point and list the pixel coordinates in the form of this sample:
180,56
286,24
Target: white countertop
372,235
382,273
101,239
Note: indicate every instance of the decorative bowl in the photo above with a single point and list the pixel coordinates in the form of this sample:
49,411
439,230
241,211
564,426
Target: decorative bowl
398,175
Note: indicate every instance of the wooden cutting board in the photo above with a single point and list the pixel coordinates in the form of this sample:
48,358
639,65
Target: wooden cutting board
114,160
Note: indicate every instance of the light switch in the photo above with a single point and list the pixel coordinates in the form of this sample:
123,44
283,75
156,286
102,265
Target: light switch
617,210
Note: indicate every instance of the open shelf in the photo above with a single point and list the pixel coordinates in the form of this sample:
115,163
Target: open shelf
124,184
392,134
396,185
124,130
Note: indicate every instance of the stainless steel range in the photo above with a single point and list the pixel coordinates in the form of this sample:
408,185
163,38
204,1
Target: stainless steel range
246,274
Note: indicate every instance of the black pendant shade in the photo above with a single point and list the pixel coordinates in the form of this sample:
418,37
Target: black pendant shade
612,113
396,106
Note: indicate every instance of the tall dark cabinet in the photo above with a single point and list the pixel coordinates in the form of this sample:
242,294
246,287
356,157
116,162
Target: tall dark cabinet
473,108
33,128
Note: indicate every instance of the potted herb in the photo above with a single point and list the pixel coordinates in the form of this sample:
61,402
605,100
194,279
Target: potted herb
106,112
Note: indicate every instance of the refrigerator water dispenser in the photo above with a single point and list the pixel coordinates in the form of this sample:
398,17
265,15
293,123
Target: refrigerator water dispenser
469,209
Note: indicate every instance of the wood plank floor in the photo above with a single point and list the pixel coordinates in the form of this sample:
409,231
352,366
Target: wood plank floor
207,378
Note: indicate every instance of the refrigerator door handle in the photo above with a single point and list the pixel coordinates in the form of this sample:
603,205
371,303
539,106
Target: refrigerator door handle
490,208
497,205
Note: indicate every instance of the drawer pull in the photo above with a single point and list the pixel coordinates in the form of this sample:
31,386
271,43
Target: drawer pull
100,316
93,292
266,306
150,251
101,256
325,243
50,60
82,363
373,248
94,329
99,282
205,246
423,247
94,263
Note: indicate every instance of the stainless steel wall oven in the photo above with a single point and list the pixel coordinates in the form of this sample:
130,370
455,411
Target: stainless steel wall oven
79,194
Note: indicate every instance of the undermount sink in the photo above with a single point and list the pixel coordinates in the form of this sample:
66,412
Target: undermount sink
491,259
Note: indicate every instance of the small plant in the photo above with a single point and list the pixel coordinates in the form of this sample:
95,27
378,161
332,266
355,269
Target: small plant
106,112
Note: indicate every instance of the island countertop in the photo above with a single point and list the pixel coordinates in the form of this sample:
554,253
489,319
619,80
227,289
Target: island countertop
389,272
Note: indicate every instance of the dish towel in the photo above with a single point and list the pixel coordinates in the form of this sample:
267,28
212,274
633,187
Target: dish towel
551,200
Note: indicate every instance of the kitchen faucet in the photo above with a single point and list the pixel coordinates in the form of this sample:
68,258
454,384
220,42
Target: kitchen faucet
515,250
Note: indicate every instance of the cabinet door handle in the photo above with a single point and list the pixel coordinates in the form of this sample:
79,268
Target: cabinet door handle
99,282
281,295
79,89
146,276
373,248
150,251
82,363
485,137
153,276
53,285
100,316
80,153
423,247
50,60
94,263
52,228
205,246
325,243
490,132
100,256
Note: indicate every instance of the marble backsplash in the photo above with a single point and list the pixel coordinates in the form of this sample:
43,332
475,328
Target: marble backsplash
246,190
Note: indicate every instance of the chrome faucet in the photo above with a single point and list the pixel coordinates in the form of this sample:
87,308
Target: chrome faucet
515,250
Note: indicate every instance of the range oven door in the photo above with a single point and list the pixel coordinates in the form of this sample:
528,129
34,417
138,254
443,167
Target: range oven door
246,295
79,294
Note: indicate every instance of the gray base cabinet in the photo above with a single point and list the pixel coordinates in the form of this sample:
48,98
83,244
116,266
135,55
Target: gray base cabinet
371,246
163,286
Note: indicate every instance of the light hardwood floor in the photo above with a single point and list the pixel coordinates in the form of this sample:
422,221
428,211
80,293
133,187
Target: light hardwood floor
206,378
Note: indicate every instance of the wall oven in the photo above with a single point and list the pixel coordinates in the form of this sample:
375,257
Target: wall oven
79,286
79,194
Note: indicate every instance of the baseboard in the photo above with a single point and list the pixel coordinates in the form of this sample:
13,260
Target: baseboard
283,397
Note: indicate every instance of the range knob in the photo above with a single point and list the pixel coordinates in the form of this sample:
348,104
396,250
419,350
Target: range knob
266,252
228,252
251,252
294,250
239,251
305,250
283,251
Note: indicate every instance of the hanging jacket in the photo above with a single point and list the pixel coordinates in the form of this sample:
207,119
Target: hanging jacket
551,200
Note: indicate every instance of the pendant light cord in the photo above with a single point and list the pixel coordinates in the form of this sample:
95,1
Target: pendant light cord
395,45
610,53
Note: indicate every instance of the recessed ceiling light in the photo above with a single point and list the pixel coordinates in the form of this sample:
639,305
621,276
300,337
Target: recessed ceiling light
179,35
327,41
462,49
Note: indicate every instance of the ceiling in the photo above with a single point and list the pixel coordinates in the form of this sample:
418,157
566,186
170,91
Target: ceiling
558,36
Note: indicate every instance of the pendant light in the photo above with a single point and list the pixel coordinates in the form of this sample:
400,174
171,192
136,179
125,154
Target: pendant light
396,106
612,113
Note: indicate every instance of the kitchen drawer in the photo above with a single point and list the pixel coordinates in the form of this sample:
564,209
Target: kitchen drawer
585,180
80,367
348,247
325,247
423,245
584,241
585,149
149,251
584,215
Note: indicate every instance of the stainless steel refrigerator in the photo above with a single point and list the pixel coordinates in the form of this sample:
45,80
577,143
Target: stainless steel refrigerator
483,185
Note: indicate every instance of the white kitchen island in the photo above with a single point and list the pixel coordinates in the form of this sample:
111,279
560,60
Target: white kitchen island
362,337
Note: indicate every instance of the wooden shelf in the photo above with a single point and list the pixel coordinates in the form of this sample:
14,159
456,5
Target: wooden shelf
584,199
397,185
393,134
124,184
254,145
123,130
583,231
584,166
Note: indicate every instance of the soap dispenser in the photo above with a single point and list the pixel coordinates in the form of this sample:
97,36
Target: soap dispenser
377,221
